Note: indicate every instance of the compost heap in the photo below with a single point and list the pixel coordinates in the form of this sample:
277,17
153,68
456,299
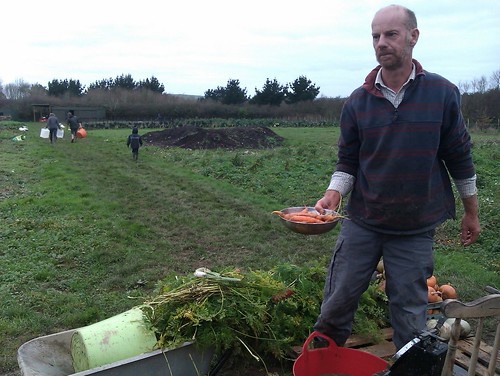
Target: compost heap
192,137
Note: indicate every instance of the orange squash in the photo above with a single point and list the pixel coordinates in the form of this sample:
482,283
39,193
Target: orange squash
447,291
432,281
433,295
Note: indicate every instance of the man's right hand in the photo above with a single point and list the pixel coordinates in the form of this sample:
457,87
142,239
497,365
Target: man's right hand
330,200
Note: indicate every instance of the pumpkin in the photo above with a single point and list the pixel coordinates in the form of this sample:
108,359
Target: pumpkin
433,295
432,281
447,291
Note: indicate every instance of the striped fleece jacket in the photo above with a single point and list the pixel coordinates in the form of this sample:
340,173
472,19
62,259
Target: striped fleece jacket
402,157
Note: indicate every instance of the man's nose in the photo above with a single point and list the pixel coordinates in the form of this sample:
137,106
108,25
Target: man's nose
381,42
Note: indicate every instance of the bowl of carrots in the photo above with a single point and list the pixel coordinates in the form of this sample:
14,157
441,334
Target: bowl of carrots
307,220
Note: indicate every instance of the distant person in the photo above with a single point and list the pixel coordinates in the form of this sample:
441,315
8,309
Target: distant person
73,124
134,141
53,126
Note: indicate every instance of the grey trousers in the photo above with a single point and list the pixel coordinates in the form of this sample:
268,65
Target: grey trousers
408,262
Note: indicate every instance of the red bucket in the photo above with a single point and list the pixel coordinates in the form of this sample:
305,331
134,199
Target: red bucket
335,359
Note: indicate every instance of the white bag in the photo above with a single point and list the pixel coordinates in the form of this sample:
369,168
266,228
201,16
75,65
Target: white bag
60,133
44,133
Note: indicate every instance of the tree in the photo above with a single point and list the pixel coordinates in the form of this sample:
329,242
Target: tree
231,94
38,90
215,94
151,84
479,85
272,93
464,87
104,84
17,90
58,88
2,94
482,84
125,82
495,80
301,89
234,94
75,88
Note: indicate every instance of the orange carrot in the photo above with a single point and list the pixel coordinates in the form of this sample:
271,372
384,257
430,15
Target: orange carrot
308,214
280,213
305,219
329,217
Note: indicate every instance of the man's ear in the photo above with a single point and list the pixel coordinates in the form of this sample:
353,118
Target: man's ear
414,34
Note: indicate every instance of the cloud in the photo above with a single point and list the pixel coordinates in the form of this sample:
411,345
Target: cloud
195,45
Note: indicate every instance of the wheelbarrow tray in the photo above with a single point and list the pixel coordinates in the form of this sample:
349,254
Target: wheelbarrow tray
51,356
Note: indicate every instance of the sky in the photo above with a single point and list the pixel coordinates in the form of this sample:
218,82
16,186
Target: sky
191,46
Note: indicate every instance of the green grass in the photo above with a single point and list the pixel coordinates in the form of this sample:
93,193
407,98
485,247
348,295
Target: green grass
85,228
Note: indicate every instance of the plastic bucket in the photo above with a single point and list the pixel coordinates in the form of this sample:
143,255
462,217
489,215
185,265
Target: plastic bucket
81,133
44,133
335,360
116,338
60,133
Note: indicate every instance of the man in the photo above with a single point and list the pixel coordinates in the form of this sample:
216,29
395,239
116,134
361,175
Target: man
74,125
53,126
402,135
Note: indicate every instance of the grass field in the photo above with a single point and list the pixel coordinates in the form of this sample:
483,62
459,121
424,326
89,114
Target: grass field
85,228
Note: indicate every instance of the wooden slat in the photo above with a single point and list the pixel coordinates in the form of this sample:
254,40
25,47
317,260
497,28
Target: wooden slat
463,360
384,349
484,355
357,340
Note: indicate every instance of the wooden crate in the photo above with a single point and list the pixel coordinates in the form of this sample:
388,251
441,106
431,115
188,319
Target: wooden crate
464,350
385,349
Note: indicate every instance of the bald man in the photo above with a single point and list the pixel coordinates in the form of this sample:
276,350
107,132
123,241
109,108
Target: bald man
402,136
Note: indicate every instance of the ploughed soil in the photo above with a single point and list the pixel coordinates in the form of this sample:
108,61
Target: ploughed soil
191,137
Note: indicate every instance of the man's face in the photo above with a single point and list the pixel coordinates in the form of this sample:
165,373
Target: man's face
392,40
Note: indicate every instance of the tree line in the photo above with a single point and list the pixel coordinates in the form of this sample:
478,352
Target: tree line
127,99
272,93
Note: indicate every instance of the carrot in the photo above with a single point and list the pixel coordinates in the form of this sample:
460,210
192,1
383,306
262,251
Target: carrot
329,217
322,217
280,213
308,214
305,219
289,216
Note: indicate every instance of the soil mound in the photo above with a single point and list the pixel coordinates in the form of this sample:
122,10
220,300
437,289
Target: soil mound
191,137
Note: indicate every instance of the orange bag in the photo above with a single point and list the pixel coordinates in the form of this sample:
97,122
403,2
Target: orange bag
81,133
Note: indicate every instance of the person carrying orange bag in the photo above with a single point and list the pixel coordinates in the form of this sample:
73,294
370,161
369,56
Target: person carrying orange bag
81,133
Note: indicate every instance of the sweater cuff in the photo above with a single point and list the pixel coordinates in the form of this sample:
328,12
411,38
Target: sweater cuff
466,187
341,182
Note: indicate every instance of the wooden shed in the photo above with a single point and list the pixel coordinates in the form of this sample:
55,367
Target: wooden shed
84,113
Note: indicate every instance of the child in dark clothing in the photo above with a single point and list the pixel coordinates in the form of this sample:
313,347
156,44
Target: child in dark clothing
135,142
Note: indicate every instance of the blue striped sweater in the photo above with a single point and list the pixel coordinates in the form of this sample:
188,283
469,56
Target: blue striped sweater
402,158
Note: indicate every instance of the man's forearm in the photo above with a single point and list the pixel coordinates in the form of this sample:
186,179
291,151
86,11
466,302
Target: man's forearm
470,205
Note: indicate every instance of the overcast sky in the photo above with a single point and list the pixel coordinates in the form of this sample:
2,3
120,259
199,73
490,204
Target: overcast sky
191,46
